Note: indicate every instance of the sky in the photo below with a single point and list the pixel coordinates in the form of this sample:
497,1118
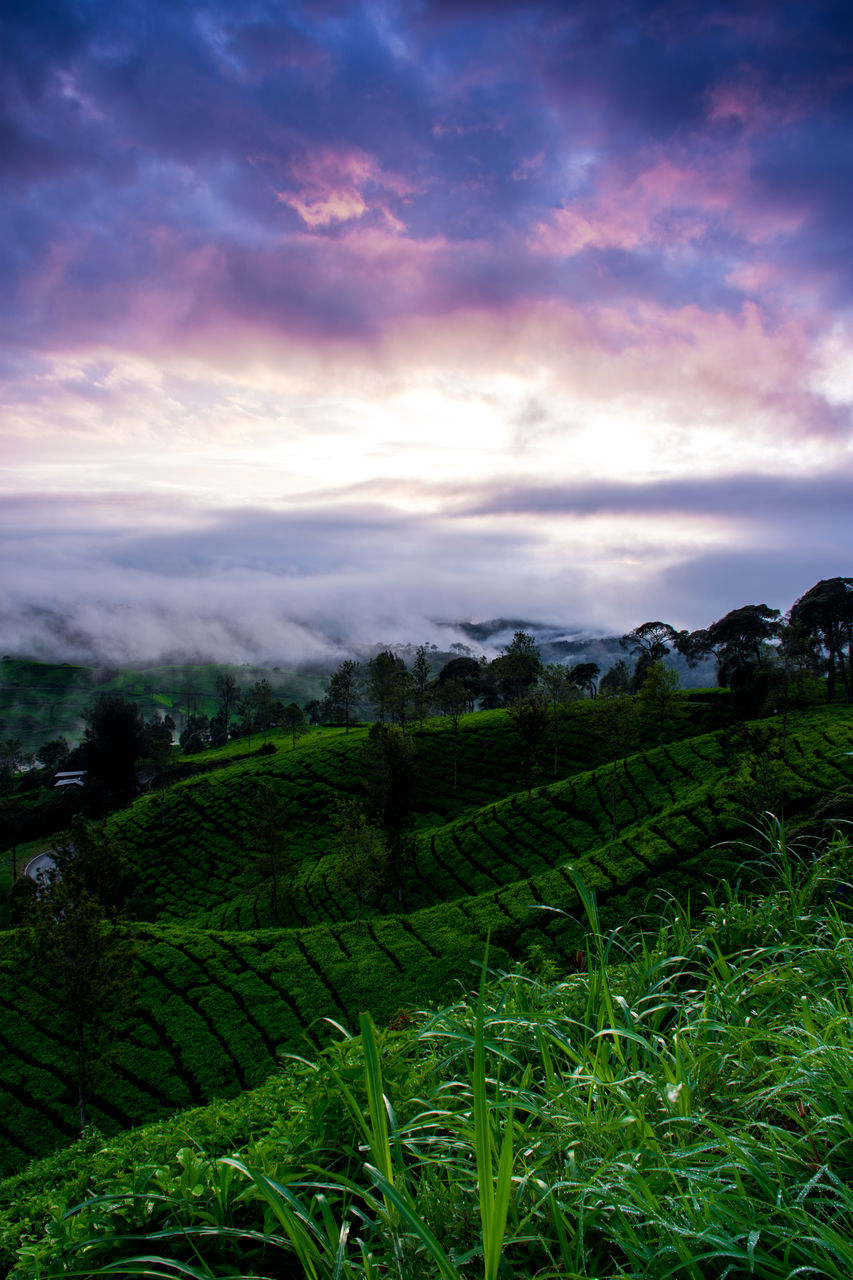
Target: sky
324,324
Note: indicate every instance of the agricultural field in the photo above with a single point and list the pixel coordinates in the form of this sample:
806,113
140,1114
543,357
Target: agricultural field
223,990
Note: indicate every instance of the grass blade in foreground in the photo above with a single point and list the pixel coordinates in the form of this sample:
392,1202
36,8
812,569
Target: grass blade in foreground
494,1194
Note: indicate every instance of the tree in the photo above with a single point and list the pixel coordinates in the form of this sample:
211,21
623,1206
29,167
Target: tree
158,758
190,692
517,667
529,718
53,753
390,779
217,731
248,712
344,690
615,681
273,857
382,672
420,680
113,741
614,725
76,960
314,711
648,643
263,702
650,638
451,700
823,618
293,719
11,759
661,703
89,858
363,852
757,757
466,672
194,735
738,641
585,676
228,693
559,690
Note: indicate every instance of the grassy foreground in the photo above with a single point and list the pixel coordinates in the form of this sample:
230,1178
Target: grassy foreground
680,1106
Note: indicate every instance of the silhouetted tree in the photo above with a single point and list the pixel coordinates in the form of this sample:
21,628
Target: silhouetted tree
451,701
77,961
228,693
468,673
738,641
263,701
314,711
660,704
615,727
94,861
382,673
585,676
390,778
194,734
158,758
648,643
559,690
273,856
824,617
517,667
529,718
293,719
363,852
344,691
52,754
615,681
420,681
113,741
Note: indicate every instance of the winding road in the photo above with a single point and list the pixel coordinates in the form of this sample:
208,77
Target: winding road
41,862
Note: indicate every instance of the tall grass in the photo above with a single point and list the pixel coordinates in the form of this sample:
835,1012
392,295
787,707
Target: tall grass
683,1108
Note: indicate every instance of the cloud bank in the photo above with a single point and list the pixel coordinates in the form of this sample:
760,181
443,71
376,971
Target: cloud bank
342,322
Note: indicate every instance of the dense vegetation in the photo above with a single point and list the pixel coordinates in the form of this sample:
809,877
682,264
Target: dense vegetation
222,992
679,1106
266,895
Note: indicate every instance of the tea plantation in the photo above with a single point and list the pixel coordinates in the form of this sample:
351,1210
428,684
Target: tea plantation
222,990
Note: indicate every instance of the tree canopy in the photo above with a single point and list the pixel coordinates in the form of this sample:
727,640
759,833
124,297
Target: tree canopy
114,739
823,621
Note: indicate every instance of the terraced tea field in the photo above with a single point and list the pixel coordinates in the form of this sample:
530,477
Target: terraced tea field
222,992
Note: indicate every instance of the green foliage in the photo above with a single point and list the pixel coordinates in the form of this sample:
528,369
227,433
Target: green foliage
681,1103
517,667
661,706
364,855
224,991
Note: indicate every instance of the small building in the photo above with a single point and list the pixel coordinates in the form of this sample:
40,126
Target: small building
74,778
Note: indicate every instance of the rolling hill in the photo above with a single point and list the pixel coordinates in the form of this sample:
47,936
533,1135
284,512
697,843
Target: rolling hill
223,990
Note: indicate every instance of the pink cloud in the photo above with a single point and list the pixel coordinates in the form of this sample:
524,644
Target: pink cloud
665,205
334,186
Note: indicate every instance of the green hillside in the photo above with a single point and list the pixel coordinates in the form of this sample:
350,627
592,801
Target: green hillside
677,1103
221,992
